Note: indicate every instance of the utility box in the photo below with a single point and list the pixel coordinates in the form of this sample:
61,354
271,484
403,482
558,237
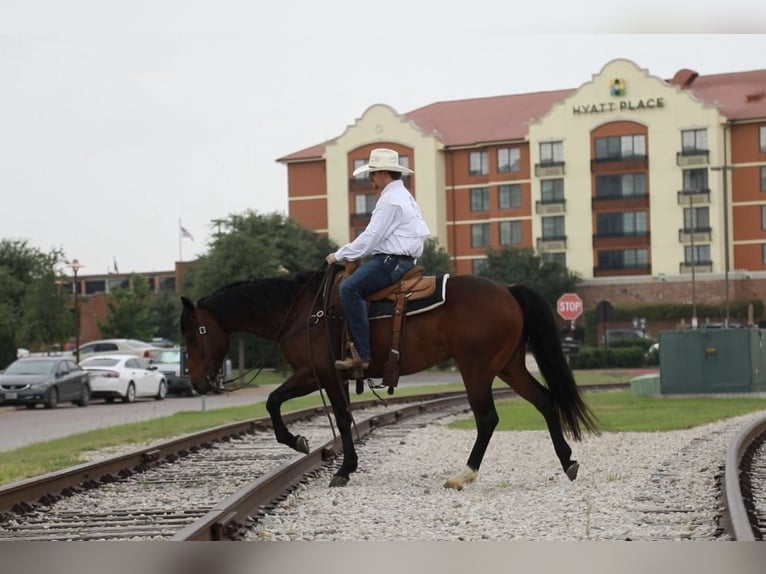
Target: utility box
712,361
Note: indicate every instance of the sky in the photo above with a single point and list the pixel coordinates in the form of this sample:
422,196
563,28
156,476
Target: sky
118,120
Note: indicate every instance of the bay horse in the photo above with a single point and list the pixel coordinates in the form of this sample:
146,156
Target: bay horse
483,325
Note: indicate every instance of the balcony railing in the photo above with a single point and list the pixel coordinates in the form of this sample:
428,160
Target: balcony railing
549,168
624,270
548,207
695,196
699,267
619,234
556,243
701,235
693,156
619,163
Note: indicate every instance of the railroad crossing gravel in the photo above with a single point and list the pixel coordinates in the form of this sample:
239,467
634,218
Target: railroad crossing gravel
631,486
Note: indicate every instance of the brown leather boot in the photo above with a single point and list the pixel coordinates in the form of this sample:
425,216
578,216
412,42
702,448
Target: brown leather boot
348,364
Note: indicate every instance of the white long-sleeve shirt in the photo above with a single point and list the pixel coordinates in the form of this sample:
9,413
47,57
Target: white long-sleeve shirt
396,227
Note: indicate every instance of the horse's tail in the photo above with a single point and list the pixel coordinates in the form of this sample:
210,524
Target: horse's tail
542,333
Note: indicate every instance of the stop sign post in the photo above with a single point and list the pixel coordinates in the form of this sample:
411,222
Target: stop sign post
569,306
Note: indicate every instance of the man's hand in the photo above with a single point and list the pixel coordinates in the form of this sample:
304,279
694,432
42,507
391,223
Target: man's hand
330,259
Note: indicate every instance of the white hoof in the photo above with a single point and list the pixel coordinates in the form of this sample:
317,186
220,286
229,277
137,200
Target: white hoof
459,480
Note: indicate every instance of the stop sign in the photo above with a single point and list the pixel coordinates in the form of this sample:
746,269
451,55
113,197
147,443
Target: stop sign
569,306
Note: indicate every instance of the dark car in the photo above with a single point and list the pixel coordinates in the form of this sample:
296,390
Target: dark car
46,380
169,363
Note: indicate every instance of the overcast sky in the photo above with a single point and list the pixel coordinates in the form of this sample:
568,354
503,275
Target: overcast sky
117,119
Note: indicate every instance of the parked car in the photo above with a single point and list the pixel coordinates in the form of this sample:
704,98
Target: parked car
169,363
619,335
46,380
124,377
123,346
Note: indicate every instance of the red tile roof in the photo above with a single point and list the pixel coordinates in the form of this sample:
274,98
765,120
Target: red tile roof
739,95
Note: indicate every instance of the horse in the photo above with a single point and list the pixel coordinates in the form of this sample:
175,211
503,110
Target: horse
484,325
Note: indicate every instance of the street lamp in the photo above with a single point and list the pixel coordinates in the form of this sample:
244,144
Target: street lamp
75,266
693,229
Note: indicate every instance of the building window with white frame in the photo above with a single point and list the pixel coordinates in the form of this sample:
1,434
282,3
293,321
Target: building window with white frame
762,138
480,235
551,153
763,253
357,164
478,163
696,219
552,191
510,233
695,180
763,178
509,196
364,203
694,141
763,218
480,199
508,159
699,255
559,257
621,147
553,228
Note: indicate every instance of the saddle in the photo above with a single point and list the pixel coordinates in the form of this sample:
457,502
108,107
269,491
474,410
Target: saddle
412,286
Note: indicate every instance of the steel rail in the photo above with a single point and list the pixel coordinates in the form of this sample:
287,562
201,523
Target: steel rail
738,519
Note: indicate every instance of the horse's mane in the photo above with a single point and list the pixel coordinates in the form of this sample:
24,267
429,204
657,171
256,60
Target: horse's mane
275,293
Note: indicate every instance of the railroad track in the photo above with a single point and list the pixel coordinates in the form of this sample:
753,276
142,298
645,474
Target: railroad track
744,484
227,474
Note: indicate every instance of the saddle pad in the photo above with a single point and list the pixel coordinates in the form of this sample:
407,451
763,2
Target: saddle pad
385,307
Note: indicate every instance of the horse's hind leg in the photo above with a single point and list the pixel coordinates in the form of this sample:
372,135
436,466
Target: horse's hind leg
527,387
479,391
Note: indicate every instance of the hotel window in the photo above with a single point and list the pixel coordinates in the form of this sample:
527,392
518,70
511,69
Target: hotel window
697,219
479,266
695,180
617,186
553,228
623,259
693,140
763,178
762,137
480,199
480,235
763,252
357,164
621,147
508,159
763,218
700,254
510,233
622,224
559,257
364,203
552,190
551,153
509,196
478,163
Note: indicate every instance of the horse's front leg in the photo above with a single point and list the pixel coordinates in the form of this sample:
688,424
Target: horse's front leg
299,384
337,392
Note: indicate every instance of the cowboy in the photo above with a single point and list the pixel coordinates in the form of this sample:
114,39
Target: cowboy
392,240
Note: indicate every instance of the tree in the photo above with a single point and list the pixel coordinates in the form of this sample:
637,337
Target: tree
253,245
128,314
165,312
27,277
435,258
510,265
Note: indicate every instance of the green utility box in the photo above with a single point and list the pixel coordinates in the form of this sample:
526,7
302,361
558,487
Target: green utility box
712,361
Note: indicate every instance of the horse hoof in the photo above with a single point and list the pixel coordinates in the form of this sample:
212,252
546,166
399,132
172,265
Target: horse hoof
572,469
302,444
339,480
453,484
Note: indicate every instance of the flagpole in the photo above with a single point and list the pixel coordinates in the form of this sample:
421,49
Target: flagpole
180,241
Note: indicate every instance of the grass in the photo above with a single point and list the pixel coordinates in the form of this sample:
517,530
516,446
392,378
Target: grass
617,410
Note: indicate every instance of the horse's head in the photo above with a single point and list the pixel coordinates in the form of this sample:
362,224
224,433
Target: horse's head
206,346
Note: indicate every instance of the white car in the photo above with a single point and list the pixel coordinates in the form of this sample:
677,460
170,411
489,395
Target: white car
124,377
115,346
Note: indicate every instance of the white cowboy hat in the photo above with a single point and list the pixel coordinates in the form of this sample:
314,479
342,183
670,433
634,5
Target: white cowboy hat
383,159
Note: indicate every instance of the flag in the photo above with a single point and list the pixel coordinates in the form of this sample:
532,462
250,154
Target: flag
114,260
185,233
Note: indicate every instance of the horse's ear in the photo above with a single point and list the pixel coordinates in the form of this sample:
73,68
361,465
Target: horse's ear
188,305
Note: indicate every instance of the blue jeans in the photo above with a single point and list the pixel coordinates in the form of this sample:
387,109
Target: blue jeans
380,271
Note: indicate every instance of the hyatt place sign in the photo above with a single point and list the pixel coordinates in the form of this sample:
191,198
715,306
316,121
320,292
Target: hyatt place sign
625,105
